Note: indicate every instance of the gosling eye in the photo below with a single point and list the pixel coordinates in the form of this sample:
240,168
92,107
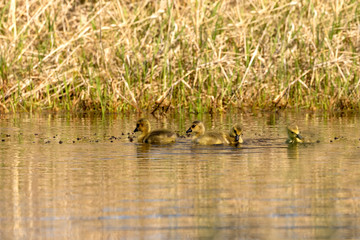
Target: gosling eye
193,126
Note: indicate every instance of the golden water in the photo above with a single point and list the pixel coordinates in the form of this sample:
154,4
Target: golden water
65,177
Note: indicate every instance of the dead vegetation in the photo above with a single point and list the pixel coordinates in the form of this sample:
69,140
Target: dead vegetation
179,55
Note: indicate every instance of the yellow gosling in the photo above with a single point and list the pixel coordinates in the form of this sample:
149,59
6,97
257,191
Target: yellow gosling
234,136
160,136
294,135
202,138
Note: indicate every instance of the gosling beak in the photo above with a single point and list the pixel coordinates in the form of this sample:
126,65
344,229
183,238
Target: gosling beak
189,130
136,129
299,136
237,137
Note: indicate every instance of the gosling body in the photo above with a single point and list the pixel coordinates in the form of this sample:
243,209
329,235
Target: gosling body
202,138
294,135
159,136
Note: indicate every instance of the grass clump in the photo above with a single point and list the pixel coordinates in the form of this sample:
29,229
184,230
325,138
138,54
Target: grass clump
179,55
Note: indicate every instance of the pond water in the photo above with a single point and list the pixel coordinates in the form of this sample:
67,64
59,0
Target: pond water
82,177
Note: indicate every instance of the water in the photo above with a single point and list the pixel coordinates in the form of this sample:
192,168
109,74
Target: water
80,177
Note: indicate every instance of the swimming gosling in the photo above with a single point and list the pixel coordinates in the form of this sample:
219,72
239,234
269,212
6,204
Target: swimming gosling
294,135
234,136
160,136
202,138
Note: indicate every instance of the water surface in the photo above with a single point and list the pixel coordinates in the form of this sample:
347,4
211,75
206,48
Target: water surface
85,177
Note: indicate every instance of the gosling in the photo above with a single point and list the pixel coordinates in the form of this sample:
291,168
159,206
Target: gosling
234,136
294,135
160,136
202,138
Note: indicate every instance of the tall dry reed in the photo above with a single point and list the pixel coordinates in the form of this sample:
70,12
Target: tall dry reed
184,55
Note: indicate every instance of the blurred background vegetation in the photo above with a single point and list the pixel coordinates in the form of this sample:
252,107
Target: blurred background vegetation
162,56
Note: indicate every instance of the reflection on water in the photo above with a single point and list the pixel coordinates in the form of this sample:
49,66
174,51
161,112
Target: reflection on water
81,177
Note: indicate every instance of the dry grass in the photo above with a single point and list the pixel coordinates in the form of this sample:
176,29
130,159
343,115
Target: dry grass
183,55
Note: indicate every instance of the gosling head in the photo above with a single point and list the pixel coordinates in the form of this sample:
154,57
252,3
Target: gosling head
197,127
294,134
236,132
142,125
